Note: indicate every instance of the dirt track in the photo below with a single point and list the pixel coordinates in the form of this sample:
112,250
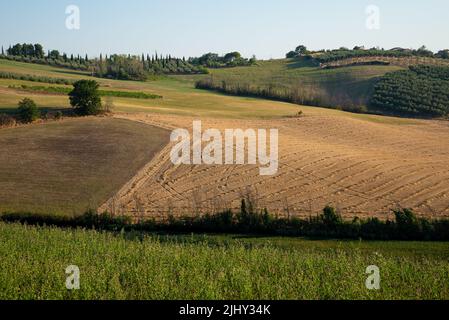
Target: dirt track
364,168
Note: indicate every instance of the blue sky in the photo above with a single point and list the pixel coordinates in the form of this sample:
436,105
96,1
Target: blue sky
266,28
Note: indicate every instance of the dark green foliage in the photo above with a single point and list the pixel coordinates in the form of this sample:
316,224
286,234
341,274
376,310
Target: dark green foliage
55,55
126,67
28,111
419,91
59,115
342,53
329,224
213,60
90,219
121,67
33,78
6,120
134,68
434,72
85,98
103,93
443,54
299,52
30,53
291,54
330,216
26,50
128,94
42,89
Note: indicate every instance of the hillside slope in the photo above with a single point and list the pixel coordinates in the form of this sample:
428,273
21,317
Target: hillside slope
363,165
302,81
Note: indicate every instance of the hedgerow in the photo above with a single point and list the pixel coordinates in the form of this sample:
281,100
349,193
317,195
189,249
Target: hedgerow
103,93
328,225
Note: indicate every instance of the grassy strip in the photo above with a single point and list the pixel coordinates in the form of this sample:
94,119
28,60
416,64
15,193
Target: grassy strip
103,93
33,78
328,225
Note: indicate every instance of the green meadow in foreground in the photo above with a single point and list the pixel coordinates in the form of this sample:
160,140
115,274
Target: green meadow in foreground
134,266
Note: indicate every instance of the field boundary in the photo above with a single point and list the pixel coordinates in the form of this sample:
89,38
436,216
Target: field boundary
144,174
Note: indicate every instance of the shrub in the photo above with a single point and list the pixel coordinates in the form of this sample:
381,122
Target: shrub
327,225
58,115
6,120
33,78
85,97
408,226
330,216
28,111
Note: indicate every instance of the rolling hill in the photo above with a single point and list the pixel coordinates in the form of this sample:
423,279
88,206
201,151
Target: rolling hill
363,164
301,81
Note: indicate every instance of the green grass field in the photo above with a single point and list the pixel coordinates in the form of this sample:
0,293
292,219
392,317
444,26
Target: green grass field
335,86
69,166
180,97
132,266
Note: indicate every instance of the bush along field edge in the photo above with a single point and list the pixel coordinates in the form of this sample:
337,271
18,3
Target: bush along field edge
406,226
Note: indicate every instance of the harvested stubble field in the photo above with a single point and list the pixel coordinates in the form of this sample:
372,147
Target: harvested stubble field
364,165
66,167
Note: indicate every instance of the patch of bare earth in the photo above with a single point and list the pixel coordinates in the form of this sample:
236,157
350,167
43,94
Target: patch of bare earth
361,167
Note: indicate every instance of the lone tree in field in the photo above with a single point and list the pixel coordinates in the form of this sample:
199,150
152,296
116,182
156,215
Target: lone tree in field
28,111
301,50
85,98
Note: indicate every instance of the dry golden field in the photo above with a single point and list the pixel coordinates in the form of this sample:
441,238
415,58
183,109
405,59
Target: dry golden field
363,165
68,166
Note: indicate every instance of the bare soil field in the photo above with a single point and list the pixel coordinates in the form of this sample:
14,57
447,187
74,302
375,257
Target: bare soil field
364,165
66,167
